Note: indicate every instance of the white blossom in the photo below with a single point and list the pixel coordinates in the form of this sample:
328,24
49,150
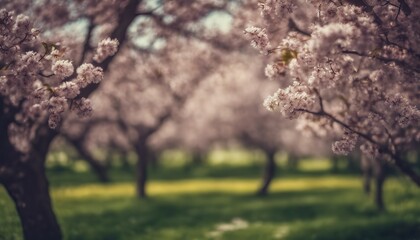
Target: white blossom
106,48
87,74
258,37
62,68
82,107
68,90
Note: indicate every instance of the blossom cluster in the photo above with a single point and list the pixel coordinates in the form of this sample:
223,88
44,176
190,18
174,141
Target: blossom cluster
62,68
106,48
353,63
290,100
38,81
258,38
346,144
276,8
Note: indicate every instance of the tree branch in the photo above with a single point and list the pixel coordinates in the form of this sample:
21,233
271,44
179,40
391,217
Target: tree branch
86,44
125,18
397,160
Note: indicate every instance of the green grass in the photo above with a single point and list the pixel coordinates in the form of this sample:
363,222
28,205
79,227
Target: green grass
218,202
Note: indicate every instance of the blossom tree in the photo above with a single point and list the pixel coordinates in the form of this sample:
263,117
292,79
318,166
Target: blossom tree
349,66
38,84
237,119
252,126
142,105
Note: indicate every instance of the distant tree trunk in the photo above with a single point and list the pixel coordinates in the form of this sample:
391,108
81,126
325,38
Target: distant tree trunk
380,176
125,163
198,158
99,169
352,163
292,161
366,166
334,162
269,172
109,158
143,155
154,158
24,178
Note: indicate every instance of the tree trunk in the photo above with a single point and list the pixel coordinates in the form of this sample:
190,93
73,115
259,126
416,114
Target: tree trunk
99,169
24,178
366,166
154,159
29,191
352,163
269,173
379,172
367,178
143,155
407,169
125,163
198,158
334,162
292,161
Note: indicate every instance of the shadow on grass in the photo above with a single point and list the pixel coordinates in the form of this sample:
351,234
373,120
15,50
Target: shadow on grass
312,214
71,178
349,229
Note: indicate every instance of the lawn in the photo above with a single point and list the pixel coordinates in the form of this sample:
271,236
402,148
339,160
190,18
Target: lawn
218,202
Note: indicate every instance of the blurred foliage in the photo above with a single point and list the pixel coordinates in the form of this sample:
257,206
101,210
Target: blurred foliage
202,202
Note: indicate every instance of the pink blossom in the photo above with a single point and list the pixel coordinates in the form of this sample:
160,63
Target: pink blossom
62,68
345,145
56,105
106,48
54,120
258,38
87,74
82,107
68,90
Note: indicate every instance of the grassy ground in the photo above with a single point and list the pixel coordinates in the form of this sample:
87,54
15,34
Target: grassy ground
218,202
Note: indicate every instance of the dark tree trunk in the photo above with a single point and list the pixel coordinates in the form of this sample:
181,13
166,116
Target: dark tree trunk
109,158
335,161
380,176
154,159
352,163
198,158
23,176
269,172
292,161
29,191
367,179
99,169
366,166
143,155
124,161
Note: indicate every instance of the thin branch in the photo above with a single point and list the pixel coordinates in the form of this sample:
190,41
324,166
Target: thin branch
46,75
294,27
321,104
86,44
400,163
400,63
